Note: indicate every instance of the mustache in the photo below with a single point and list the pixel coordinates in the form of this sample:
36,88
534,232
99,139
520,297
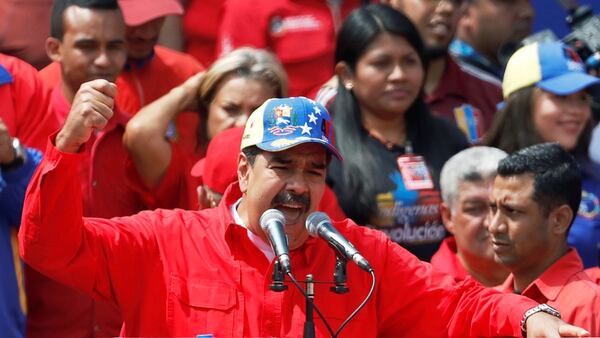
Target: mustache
286,197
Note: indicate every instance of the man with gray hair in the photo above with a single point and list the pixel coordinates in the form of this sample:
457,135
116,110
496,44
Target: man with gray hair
466,181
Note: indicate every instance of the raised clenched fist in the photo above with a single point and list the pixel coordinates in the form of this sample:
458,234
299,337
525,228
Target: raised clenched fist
92,108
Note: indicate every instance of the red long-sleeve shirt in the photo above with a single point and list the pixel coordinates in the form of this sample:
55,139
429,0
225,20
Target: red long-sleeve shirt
183,273
565,286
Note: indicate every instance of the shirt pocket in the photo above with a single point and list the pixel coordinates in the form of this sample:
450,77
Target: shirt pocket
197,306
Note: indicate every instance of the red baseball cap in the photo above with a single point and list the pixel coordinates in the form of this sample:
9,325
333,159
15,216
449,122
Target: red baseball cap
218,168
137,12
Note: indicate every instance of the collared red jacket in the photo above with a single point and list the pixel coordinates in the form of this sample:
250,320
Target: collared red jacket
184,273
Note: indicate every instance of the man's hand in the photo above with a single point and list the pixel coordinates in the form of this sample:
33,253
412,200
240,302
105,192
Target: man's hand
7,153
543,324
92,108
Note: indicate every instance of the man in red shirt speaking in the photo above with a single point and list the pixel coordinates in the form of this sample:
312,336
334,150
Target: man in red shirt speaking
188,273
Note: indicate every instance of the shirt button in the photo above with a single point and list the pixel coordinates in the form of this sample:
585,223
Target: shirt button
94,184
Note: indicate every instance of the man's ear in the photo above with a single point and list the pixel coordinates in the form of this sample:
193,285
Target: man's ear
560,219
345,75
53,49
243,172
446,214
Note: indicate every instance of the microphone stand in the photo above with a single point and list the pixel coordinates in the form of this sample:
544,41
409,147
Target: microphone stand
309,324
340,278
277,279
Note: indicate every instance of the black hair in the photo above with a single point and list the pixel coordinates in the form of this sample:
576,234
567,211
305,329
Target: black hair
251,153
356,34
60,6
556,175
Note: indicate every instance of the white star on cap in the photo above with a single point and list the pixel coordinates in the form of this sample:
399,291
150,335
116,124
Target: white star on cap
305,129
312,118
317,110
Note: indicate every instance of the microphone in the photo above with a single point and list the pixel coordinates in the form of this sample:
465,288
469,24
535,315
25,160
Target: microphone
318,224
272,222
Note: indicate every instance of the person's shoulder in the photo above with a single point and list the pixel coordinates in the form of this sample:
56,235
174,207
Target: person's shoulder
166,221
177,59
360,233
446,130
16,67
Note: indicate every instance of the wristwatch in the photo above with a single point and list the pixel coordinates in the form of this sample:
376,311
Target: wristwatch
540,308
20,156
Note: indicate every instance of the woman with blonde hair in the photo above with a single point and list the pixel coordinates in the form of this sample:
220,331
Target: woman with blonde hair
224,96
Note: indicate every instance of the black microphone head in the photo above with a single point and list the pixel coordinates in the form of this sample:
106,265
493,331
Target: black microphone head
313,220
271,215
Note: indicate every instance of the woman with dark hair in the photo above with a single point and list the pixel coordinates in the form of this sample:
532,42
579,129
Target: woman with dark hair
393,147
547,99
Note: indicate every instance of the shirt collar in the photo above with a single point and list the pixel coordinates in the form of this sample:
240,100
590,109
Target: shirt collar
553,280
465,51
450,82
263,246
131,63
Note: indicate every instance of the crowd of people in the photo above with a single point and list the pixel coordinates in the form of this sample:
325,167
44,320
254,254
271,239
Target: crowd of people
139,161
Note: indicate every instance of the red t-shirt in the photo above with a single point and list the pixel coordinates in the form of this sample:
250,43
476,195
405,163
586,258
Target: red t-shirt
567,288
24,103
300,32
184,273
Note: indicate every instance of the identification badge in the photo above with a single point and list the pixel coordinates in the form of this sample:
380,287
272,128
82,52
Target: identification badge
415,174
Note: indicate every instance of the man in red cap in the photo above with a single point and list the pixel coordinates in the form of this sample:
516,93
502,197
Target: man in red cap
151,70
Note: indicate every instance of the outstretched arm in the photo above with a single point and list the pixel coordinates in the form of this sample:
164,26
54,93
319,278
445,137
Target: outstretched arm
543,324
